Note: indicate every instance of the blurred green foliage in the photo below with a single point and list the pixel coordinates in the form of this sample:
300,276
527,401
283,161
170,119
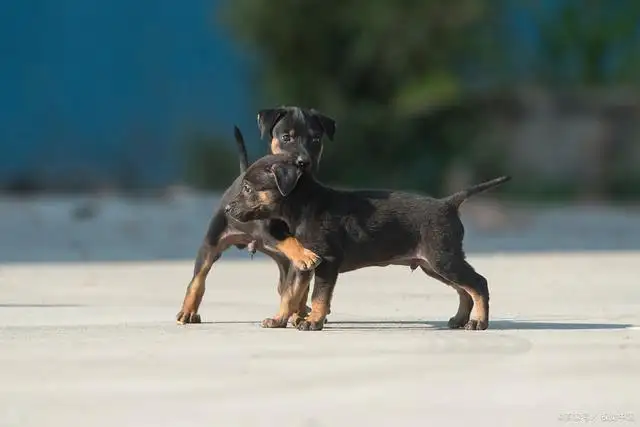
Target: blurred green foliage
386,71
210,162
407,81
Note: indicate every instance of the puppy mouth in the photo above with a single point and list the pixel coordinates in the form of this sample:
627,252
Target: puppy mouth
237,213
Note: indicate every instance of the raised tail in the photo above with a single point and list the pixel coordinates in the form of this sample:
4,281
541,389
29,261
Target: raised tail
244,160
458,198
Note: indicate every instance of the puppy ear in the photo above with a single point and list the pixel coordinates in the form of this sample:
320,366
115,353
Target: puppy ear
287,177
327,123
268,118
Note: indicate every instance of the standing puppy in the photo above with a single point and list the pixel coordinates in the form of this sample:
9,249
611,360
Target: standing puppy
292,130
355,229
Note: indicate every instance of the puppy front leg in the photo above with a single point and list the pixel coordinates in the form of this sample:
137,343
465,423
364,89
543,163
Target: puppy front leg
326,277
303,309
293,295
279,237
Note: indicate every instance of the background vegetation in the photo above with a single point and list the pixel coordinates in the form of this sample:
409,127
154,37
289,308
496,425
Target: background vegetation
410,82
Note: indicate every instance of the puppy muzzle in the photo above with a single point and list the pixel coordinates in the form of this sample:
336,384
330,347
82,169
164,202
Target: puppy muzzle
303,162
238,214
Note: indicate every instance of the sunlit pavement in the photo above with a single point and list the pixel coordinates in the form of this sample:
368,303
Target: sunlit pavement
97,345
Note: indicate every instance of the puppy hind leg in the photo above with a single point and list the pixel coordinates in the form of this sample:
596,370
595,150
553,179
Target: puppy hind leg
466,278
465,306
465,303
479,291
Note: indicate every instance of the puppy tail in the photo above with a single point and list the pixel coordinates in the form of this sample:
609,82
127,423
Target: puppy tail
458,198
244,160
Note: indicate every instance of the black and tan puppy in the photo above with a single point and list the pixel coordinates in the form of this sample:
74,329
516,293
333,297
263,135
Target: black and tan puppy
292,130
356,229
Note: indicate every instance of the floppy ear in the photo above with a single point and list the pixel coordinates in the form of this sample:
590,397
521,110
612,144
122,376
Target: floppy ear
267,119
287,177
327,123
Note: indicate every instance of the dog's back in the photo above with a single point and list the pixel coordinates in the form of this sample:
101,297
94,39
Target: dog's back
379,227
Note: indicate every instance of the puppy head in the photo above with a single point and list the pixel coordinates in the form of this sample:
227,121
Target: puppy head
265,185
297,130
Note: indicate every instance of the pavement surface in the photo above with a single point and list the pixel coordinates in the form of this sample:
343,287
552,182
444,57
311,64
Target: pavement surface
95,344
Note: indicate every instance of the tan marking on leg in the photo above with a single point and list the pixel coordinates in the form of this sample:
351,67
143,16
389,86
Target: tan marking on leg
195,292
319,311
465,305
303,310
480,308
289,302
275,146
302,258
290,299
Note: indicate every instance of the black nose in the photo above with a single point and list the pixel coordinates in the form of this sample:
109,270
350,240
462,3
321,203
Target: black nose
227,208
302,162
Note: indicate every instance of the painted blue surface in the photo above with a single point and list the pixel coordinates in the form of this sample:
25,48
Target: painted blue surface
101,85
94,84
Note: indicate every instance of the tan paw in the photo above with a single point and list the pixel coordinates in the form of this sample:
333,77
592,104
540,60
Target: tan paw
185,317
274,322
310,325
476,325
308,260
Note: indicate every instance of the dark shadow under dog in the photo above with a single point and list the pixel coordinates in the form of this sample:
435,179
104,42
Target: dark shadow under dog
504,325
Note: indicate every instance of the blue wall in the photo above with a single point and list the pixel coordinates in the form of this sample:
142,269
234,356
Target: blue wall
99,85
88,84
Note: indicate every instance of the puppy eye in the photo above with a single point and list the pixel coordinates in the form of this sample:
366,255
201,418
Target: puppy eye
246,188
315,139
285,138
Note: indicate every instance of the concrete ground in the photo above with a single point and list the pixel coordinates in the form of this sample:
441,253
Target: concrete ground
96,345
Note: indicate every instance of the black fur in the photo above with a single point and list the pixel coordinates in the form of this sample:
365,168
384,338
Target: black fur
292,130
356,229
242,149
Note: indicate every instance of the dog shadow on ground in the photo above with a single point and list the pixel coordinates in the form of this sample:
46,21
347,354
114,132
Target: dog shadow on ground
501,325
230,322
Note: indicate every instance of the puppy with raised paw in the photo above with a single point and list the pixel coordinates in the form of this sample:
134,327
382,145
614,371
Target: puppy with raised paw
352,229
293,130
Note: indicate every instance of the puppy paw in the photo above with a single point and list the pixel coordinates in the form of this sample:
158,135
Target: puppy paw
476,325
297,319
183,317
274,322
310,325
304,312
307,260
457,323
